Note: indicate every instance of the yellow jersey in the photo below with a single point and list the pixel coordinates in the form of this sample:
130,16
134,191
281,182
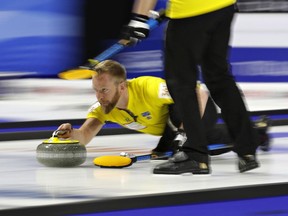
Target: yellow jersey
147,109
177,9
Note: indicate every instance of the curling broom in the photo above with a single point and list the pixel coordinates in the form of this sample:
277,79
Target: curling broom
86,71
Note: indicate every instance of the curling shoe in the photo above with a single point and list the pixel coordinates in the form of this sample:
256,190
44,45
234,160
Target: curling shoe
262,126
247,162
180,163
264,122
265,143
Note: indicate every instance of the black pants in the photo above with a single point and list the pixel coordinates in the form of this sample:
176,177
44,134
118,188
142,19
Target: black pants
203,40
209,120
215,133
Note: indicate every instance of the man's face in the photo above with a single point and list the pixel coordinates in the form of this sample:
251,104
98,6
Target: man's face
107,92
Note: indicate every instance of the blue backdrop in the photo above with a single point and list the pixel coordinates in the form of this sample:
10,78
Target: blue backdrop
42,38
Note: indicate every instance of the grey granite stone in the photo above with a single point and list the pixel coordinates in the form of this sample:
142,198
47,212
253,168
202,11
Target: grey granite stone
61,155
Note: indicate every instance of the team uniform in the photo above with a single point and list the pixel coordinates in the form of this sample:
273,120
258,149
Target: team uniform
147,109
177,9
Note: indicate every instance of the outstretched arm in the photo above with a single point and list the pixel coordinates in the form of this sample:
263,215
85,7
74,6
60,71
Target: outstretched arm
84,134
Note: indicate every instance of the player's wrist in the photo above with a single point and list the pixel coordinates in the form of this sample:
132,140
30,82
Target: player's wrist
138,24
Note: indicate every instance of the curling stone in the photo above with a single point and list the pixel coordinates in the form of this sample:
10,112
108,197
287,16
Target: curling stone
56,152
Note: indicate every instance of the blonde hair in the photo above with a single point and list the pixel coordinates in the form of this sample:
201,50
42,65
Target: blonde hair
113,68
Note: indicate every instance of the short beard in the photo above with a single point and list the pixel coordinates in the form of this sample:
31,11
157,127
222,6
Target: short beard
107,109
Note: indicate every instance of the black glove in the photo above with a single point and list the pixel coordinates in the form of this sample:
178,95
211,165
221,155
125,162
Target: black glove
137,28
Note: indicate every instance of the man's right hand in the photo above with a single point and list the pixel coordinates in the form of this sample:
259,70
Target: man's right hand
64,130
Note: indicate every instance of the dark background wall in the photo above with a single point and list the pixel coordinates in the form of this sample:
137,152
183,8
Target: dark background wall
103,20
